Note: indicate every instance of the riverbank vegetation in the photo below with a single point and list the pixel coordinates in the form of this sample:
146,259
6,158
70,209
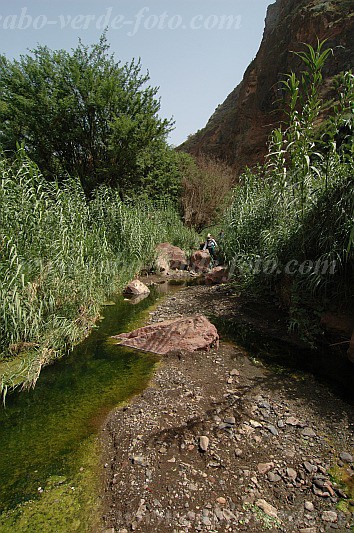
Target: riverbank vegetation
61,257
290,227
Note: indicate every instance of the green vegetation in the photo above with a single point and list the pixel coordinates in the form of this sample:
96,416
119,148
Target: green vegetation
83,114
61,256
290,226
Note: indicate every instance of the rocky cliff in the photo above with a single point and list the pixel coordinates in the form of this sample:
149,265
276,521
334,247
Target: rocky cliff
239,129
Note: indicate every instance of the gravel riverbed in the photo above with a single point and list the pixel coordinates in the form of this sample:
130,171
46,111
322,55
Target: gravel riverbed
219,442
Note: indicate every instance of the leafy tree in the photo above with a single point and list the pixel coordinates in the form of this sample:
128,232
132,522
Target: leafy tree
81,113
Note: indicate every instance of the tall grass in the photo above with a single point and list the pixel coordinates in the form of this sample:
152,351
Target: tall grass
60,257
299,206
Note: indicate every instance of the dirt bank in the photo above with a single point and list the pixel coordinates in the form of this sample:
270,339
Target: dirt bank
275,442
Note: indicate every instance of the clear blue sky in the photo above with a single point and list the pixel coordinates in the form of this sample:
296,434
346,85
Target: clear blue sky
195,50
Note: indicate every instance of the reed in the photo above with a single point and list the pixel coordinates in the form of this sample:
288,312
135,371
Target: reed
61,256
299,206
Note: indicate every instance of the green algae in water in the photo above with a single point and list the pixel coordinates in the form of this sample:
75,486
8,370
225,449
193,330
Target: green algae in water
48,434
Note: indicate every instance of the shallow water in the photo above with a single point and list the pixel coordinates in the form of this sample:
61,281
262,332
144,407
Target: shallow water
41,430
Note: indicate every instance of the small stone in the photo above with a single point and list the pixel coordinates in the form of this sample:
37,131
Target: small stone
230,420
272,429
281,423
330,516
273,478
191,516
234,372
238,452
346,457
221,500
267,508
308,432
291,473
203,443
255,424
228,515
308,530
292,421
206,521
309,506
139,460
309,467
263,468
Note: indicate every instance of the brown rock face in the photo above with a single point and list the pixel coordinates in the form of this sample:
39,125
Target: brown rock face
170,257
200,261
182,334
239,129
217,275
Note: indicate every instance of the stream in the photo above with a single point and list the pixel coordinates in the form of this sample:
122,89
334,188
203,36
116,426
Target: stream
48,436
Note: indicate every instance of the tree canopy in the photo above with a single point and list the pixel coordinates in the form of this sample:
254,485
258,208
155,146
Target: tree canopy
83,114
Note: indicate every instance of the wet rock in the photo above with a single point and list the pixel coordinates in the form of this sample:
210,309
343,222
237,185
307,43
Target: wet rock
203,443
267,508
136,288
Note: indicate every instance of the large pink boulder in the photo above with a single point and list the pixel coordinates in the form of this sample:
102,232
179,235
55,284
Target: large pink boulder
217,275
136,288
200,261
170,257
182,334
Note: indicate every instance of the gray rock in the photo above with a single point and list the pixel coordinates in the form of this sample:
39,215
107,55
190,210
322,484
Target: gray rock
309,467
330,516
273,478
272,429
309,506
228,515
308,432
206,521
230,420
346,457
291,473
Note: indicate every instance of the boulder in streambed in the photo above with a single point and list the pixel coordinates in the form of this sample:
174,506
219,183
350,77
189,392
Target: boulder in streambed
182,334
136,288
216,276
170,257
200,261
